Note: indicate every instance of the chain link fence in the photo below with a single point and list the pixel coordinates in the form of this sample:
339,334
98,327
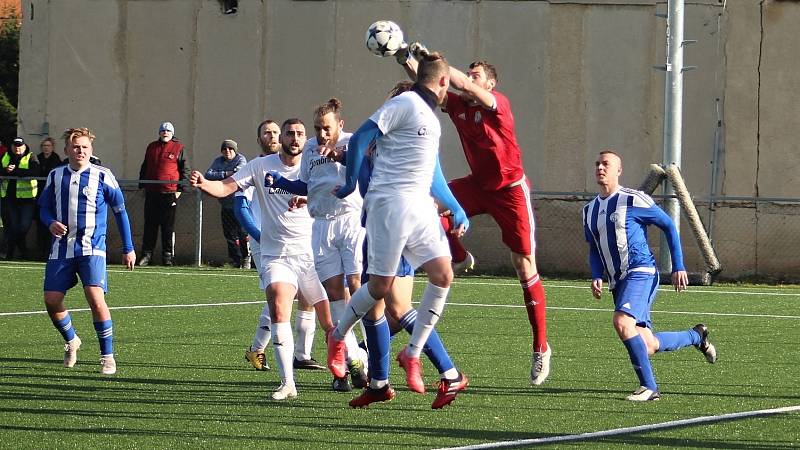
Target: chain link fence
754,237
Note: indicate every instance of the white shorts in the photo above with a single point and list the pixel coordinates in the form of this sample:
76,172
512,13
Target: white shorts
399,226
255,254
297,270
337,245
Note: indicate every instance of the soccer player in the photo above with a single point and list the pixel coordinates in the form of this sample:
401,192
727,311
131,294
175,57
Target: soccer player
402,219
337,233
497,185
287,263
401,315
615,225
74,205
248,212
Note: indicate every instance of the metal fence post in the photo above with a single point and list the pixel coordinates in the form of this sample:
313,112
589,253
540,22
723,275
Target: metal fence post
198,250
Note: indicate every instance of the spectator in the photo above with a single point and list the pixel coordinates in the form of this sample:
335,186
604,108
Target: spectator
47,157
222,167
48,160
18,196
163,161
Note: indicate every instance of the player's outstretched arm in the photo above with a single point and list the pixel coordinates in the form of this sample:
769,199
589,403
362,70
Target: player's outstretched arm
275,179
444,196
217,189
243,213
357,148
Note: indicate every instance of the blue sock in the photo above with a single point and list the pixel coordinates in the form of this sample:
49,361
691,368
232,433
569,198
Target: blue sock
64,326
674,340
105,334
637,350
433,349
379,346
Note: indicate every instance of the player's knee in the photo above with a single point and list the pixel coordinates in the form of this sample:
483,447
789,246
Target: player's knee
624,325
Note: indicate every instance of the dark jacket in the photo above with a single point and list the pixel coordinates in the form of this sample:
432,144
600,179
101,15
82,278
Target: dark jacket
47,163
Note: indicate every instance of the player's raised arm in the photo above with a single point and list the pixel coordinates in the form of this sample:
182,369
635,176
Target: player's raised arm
408,58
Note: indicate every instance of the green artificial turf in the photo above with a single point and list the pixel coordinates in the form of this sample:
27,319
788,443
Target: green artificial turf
182,380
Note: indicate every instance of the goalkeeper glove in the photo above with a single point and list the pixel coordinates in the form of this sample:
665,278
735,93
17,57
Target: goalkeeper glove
401,55
418,50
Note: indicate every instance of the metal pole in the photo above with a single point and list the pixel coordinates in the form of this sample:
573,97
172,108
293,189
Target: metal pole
198,230
673,115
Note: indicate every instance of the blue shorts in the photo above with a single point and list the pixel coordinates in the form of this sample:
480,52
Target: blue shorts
404,269
635,294
62,274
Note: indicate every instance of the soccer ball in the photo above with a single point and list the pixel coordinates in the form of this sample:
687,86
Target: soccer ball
384,38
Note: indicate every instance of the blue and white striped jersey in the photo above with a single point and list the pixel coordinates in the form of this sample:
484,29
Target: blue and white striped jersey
80,200
616,230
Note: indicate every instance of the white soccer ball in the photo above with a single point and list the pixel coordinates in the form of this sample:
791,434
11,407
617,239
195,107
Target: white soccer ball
384,38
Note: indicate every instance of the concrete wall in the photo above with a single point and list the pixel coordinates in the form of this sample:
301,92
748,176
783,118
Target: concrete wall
579,75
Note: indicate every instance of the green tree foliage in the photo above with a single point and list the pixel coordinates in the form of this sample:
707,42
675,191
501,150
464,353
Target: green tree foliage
9,72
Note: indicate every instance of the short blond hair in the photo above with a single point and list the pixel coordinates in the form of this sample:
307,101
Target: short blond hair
72,133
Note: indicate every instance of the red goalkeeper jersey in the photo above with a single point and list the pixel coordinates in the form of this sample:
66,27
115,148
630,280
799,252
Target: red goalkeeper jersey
488,139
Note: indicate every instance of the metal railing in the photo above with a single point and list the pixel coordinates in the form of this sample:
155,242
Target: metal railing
754,237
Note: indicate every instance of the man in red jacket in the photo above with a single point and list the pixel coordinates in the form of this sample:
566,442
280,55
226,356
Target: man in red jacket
163,162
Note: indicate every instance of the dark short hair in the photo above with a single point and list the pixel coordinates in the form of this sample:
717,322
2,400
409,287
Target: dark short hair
491,72
291,121
263,123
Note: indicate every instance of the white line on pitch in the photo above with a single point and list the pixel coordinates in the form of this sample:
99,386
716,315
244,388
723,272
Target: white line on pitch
628,430
478,305
457,281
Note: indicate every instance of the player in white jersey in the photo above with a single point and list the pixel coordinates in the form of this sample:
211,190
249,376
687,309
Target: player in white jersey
402,218
615,226
337,234
287,262
248,212
74,206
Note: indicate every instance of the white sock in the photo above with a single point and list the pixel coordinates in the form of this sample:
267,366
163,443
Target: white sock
305,324
358,306
283,344
338,308
428,313
378,384
261,338
449,374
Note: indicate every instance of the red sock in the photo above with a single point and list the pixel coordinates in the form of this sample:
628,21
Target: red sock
535,304
457,250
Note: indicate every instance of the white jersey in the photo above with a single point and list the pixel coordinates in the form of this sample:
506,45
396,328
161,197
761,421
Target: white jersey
406,154
322,175
283,232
